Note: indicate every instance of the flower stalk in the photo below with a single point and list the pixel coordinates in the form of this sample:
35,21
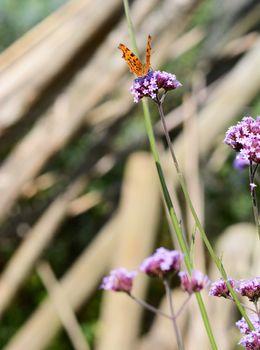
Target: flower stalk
175,326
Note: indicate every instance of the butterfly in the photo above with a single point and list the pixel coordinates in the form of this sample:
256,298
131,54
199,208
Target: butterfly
134,63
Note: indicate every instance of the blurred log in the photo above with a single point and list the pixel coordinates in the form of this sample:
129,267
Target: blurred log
42,233
68,113
120,315
62,306
61,41
36,241
87,271
78,284
60,123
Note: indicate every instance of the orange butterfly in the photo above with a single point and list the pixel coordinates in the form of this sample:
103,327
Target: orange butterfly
134,63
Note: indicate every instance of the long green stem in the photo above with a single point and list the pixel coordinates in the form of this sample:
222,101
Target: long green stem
215,258
172,213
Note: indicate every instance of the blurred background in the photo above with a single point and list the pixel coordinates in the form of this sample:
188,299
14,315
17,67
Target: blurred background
78,188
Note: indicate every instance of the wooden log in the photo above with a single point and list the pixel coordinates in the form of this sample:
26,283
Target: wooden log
36,241
65,117
61,122
82,278
23,81
43,232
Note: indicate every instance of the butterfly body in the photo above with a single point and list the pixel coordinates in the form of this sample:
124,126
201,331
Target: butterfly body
134,63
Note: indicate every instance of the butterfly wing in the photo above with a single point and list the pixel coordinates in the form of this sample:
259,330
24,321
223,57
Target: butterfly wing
147,64
134,64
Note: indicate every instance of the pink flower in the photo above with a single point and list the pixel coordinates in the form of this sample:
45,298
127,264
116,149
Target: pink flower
119,280
243,326
245,138
195,283
250,288
251,341
219,288
162,262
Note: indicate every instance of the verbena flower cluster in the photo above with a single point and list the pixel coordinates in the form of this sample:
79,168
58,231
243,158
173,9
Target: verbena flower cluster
150,84
245,138
160,264
119,280
194,283
251,290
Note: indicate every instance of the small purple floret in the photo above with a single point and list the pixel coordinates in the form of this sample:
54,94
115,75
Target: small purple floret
195,283
162,262
151,83
219,288
250,289
245,138
119,280
251,341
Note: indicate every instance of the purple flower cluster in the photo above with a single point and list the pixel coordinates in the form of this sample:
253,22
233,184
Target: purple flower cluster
219,288
251,341
245,138
243,326
119,280
250,289
195,283
162,262
151,83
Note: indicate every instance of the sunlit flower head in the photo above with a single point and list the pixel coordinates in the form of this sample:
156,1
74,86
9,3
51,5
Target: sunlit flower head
194,283
150,84
219,288
119,280
162,262
245,138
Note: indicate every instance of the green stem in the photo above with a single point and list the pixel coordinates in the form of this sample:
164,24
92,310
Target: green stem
172,213
214,257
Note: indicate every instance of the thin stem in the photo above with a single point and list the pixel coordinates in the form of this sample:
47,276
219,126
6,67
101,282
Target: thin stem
149,306
183,306
252,172
175,326
215,258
